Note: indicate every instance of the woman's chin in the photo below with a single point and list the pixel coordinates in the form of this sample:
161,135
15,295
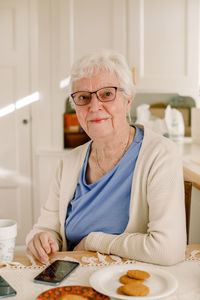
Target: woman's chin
99,131
99,134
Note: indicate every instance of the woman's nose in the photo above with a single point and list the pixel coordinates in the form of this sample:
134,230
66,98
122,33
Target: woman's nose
95,104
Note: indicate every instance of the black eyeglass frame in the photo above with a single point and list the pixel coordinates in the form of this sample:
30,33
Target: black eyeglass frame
95,92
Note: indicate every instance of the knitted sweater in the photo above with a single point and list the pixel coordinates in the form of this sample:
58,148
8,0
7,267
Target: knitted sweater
156,231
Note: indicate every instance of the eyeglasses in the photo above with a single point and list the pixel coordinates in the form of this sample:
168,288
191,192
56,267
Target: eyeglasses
105,94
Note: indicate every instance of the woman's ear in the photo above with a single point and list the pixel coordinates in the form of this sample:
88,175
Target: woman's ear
129,102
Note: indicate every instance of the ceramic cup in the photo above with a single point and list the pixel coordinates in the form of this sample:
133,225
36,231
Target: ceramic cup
8,233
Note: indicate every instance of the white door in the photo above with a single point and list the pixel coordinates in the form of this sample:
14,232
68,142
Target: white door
15,151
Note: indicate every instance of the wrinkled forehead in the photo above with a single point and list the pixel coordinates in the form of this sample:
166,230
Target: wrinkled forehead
97,79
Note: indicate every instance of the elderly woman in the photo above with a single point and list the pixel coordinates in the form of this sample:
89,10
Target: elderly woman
121,193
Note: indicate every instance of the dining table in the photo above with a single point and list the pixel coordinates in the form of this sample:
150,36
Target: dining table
21,271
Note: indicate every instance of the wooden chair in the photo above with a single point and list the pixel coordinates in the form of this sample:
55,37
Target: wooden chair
188,192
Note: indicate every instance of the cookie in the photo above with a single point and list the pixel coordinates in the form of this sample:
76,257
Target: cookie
138,274
125,279
135,289
72,297
119,290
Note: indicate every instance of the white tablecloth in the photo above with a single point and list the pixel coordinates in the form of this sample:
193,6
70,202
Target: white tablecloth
21,278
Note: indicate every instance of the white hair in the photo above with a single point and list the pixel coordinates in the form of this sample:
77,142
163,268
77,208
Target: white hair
109,60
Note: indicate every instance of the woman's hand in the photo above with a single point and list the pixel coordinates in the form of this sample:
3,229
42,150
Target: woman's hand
41,245
81,245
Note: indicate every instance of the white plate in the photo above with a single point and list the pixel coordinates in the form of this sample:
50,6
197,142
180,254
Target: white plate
160,283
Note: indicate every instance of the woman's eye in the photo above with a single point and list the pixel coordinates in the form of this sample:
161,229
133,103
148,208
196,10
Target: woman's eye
83,97
107,94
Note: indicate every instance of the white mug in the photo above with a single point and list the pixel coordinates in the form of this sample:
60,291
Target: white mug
8,233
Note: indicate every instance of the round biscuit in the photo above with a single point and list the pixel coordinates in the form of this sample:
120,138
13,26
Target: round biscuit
136,289
125,279
138,274
120,291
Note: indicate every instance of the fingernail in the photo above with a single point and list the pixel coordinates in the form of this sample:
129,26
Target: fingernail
53,249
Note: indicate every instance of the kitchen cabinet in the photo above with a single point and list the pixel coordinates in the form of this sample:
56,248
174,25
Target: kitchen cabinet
162,45
159,39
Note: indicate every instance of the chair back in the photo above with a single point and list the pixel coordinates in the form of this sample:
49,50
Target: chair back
188,192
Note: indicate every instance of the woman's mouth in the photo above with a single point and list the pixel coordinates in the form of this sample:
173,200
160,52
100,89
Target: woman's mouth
98,120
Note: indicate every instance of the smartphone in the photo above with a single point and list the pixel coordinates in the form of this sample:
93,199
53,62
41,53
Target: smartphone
6,290
56,272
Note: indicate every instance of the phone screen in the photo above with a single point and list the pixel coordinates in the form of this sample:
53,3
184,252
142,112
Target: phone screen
56,272
5,289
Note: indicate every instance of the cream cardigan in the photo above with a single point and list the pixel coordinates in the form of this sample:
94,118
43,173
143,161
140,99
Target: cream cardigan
156,231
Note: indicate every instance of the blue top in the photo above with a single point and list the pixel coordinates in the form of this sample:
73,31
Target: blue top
103,206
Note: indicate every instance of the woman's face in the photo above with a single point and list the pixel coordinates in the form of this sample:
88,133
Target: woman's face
99,119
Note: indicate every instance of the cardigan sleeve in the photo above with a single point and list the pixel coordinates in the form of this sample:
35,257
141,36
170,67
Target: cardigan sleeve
49,217
163,241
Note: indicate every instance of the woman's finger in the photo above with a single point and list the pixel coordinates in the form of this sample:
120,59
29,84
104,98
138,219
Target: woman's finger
42,254
32,250
41,245
44,240
53,244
